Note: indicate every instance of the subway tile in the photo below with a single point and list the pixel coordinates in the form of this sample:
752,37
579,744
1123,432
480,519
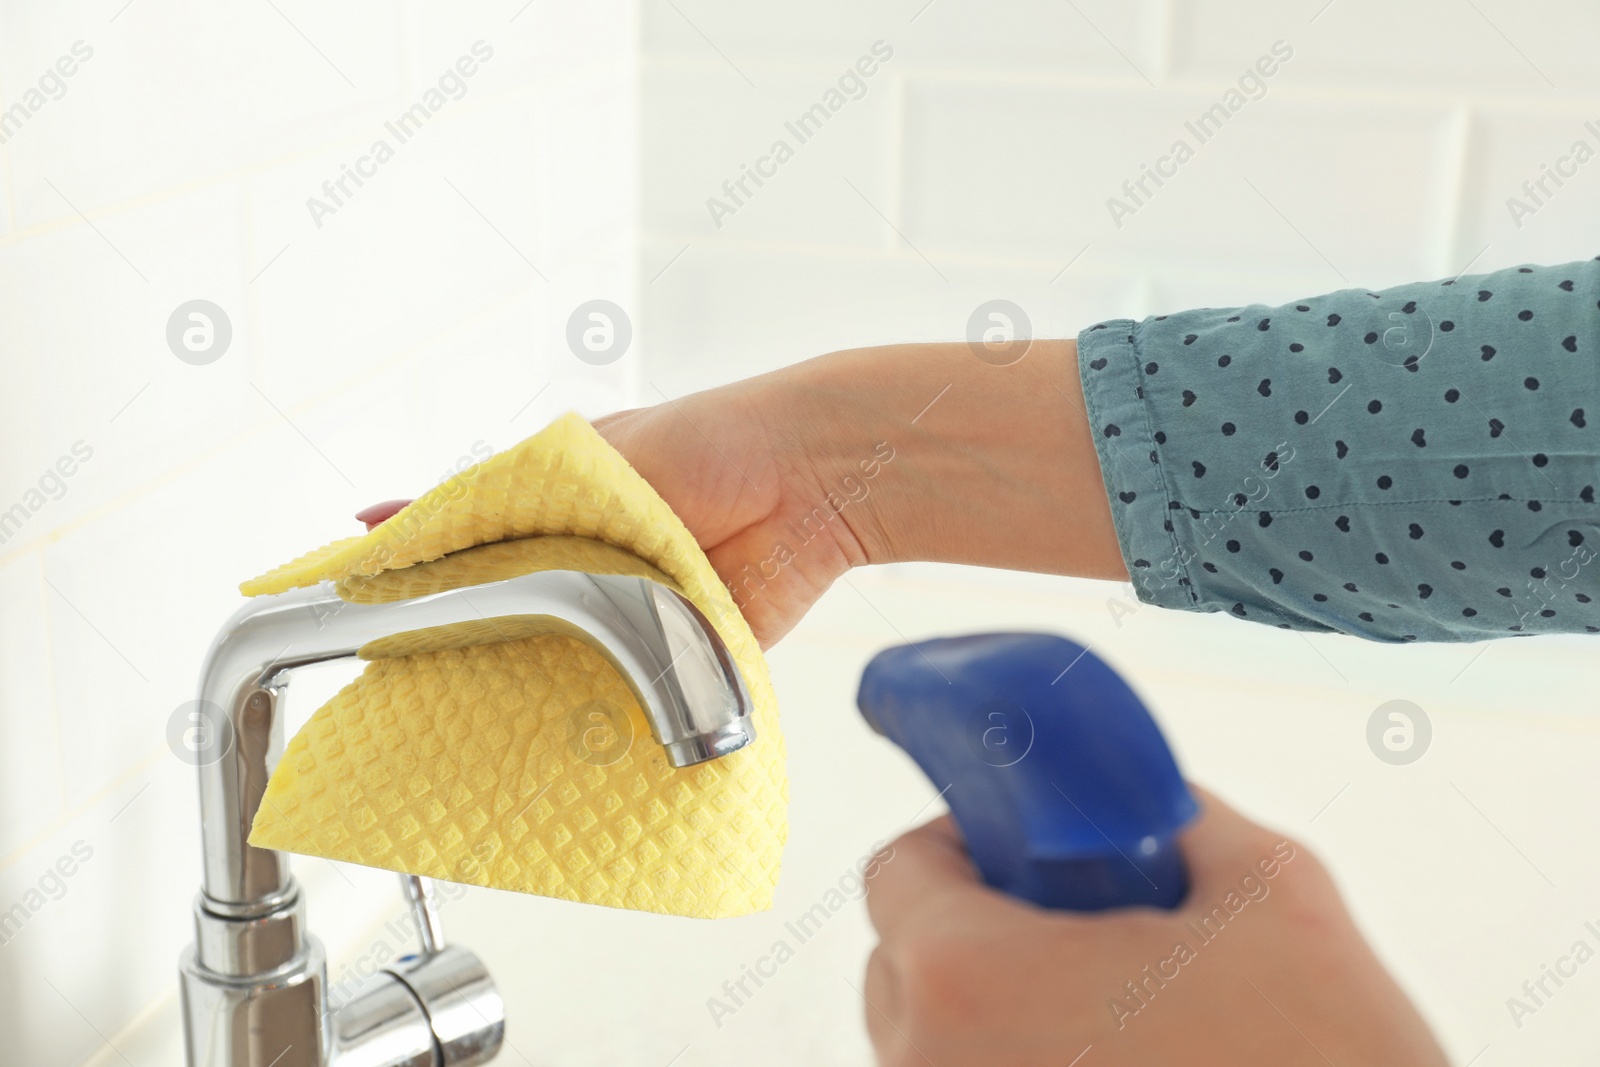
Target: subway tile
1034,188
1099,38
1435,47
173,96
471,214
825,183
1104,39
1512,224
107,897
1045,192
535,43
138,592
587,198
479,390
94,366
60,384
31,784
276,103
733,36
436,37
1315,168
431,240
156,1040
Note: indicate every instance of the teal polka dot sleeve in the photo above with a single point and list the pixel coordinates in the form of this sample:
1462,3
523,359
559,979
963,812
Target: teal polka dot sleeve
1416,464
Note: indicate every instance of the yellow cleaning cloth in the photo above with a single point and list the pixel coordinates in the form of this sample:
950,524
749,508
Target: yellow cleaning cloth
526,764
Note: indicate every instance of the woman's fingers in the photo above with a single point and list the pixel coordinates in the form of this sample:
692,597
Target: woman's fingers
924,872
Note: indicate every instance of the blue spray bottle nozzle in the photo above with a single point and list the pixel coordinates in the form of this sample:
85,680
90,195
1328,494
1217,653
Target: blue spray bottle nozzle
1062,784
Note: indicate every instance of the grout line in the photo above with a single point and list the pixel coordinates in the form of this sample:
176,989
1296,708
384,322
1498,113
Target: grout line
1030,262
5,159
904,240
1044,262
1164,30
134,1027
1451,213
66,818
10,186
252,327
896,106
1204,85
1145,289
50,675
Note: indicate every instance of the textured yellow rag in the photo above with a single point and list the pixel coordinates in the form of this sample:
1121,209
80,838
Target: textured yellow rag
527,764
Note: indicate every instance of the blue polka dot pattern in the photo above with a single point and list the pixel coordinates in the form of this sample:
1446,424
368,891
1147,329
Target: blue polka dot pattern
1415,464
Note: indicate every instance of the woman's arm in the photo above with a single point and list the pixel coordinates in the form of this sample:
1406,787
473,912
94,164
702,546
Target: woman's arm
993,466
1418,463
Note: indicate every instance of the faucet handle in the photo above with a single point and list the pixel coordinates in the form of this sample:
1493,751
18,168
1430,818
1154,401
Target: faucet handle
463,1008
424,903
435,1010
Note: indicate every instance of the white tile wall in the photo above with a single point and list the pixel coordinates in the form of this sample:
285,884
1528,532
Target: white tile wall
368,356
1382,152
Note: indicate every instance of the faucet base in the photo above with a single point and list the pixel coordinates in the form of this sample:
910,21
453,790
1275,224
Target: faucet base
266,1020
255,994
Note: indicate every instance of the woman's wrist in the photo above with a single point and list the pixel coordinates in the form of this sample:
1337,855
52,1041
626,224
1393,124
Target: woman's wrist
937,455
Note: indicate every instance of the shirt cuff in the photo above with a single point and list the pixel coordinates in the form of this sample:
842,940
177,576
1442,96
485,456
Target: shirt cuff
1137,483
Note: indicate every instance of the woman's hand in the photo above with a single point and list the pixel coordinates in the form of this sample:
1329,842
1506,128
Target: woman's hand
1261,967
909,452
739,467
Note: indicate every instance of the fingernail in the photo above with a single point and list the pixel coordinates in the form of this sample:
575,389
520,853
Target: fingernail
379,513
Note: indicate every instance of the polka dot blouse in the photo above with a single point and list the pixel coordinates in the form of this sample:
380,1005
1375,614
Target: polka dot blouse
1416,464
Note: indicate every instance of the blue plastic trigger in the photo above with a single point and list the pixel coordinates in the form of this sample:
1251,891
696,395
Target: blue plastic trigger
1062,784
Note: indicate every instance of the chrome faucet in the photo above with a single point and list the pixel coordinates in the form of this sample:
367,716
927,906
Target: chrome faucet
254,983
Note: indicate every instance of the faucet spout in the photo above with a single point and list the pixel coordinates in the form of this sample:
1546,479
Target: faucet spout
667,652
